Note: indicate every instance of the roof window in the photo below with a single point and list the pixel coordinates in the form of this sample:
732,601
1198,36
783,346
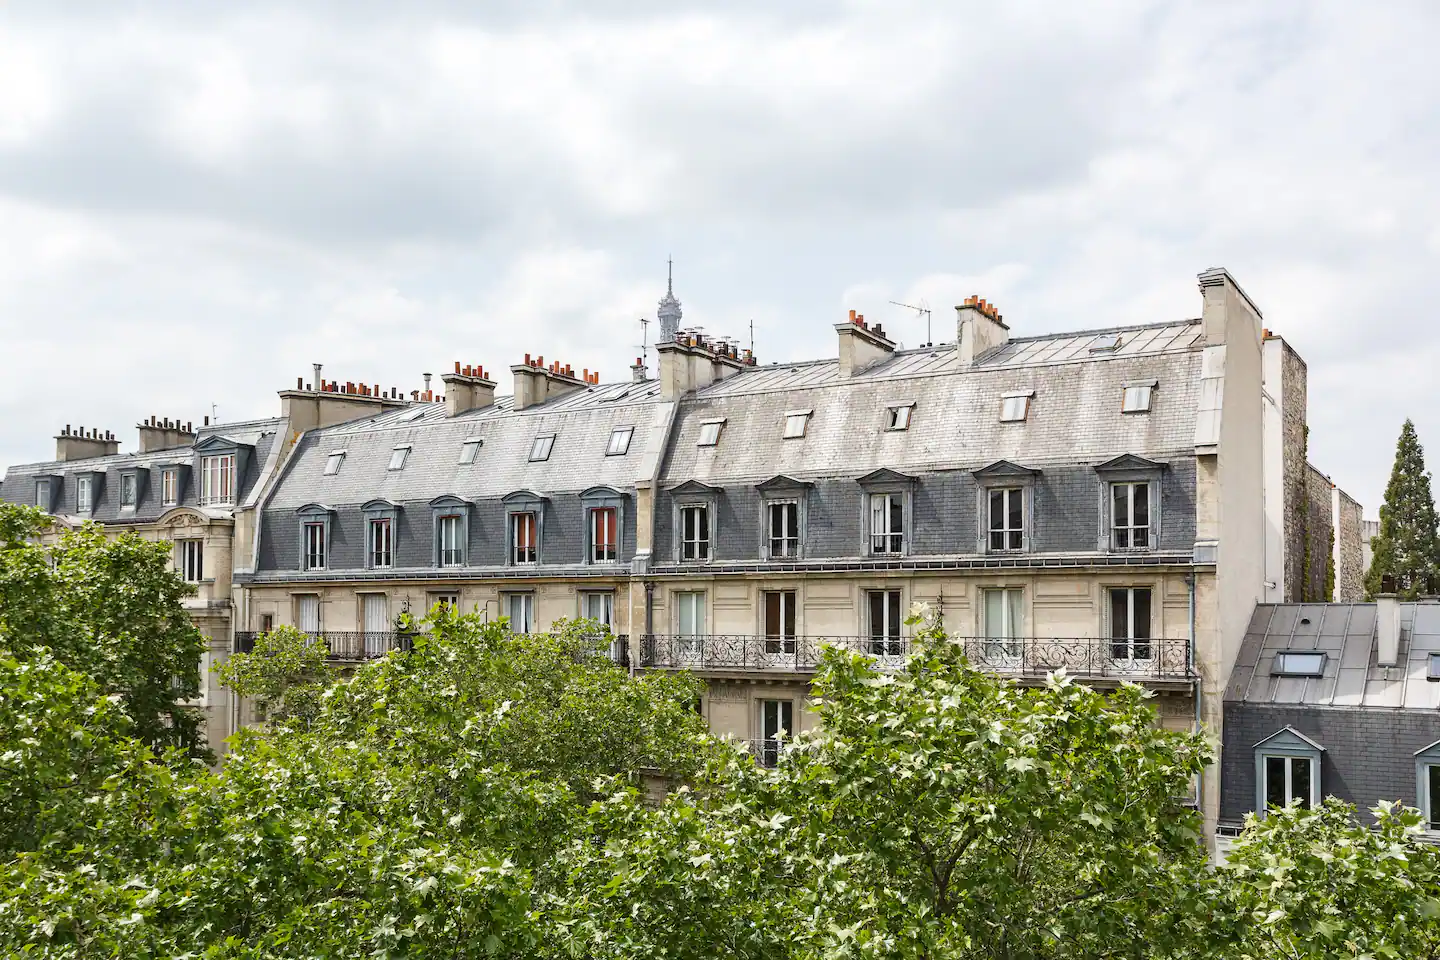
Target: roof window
795,423
1298,663
409,415
540,449
709,433
333,461
619,442
1015,407
398,457
1434,672
1106,343
1136,398
899,416
616,396
470,449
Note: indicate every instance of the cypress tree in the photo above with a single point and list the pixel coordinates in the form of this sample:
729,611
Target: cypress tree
1408,546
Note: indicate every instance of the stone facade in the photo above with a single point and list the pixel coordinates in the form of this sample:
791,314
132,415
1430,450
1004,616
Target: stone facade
1316,544
1296,480
1349,549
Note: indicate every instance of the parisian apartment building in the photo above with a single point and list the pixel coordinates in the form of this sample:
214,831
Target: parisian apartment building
1114,502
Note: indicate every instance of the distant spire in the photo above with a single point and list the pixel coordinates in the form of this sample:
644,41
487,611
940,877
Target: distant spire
669,313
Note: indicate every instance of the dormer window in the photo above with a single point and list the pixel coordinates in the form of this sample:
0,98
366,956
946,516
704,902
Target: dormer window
1015,407
398,456
540,449
469,450
795,423
898,417
42,495
169,487
82,494
127,490
619,442
709,433
1298,663
217,480
1136,398
333,462
1130,516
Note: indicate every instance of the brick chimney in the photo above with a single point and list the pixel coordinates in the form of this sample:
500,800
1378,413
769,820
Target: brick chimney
324,402
468,388
638,373
163,434
979,328
691,362
861,345
536,383
82,444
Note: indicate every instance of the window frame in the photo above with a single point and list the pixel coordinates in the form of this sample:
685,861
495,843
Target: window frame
528,522
313,534
790,543
887,482
129,490
894,422
596,517
1013,539
44,499
887,639
300,601
224,474
450,540
334,460
372,511
894,543
1282,664
169,486
698,601
586,596
628,433
399,456
541,447
780,491
1129,468
1140,650
1427,785
1008,411
186,550
783,639
596,499
321,515
526,598
470,451
793,418
524,502
441,508
1131,528
710,432
1290,744
86,484
1008,644
372,554
1143,391
702,544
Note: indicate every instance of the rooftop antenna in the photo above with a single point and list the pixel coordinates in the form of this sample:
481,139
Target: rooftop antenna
214,414
924,309
644,342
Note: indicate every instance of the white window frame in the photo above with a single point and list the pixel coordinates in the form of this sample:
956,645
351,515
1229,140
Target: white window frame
1015,407
1137,397
1427,785
619,444
898,417
1130,528
886,638
217,479
523,605
450,601
380,529
596,515
398,456
1291,759
797,422
789,545
190,560
129,490
605,600
1012,539
691,634
450,547
42,494
1137,649
1294,663
1003,640
699,548
515,522
302,601
84,495
469,450
780,640
541,447
317,547
710,431
885,541
777,716
169,487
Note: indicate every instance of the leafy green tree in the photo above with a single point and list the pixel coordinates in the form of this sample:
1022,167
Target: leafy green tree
286,674
1407,548
110,608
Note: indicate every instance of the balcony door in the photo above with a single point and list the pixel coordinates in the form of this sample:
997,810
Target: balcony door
777,720
779,623
885,621
1130,628
1004,611
375,620
307,613
690,623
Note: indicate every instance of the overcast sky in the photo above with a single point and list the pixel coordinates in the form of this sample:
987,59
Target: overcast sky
199,200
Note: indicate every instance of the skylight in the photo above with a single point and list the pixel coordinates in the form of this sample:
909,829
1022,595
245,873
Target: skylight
1298,663
1106,343
899,418
409,415
540,449
619,442
616,396
470,449
1136,399
333,461
1434,672
398,457
1014,407
709,433
795,423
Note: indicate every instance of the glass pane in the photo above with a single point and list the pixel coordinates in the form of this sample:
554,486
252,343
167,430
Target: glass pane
1300,780
994,614
772,614
892,626
1119,614
1015,600
787,621
1433,775
1016,519
997,509
1140,627
1275,781
1142,506
1121,505
877,616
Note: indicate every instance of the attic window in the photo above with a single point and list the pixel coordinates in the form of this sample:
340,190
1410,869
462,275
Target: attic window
540,449
1136,399
1303,663
409,415
469,450
398,456
1434,671
619,442
709,433
795,423
615,396
332,463
42,495
1014,407
1107,343
899,418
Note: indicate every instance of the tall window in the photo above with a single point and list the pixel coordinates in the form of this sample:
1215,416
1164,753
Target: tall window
784,521
42,495
451,530
1004,613
1289,778
307,613
523,546
127,490
82,494
217,479
315,546
599,607
191,557
1007,519
604,536
1130,515
887,523
375,623
885,621
379,543
695,532
169,487
780,621
1130,623
777,719
520,608
690,621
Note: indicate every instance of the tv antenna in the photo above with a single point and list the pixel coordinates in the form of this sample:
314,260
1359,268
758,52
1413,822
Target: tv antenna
752,336
644,342
924,309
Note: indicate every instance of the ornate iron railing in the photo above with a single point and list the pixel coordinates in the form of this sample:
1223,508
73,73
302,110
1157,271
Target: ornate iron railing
1092,657
354,646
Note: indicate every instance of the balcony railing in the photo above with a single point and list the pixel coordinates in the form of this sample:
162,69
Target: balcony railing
352,646
1095,658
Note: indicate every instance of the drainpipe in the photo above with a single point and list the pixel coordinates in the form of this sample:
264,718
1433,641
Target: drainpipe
649,619
1199,688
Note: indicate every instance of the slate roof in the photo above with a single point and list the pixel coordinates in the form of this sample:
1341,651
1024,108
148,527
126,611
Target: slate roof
1345,632
1074,416
18,485
582,423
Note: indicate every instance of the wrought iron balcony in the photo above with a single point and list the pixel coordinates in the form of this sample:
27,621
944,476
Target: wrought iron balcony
1087,657
350,646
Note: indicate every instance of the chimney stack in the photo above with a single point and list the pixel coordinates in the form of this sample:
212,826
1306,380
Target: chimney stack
325,402
979,328
536,383
468,388
82,444
163,434
861,345
692,361
638,373
1387,629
